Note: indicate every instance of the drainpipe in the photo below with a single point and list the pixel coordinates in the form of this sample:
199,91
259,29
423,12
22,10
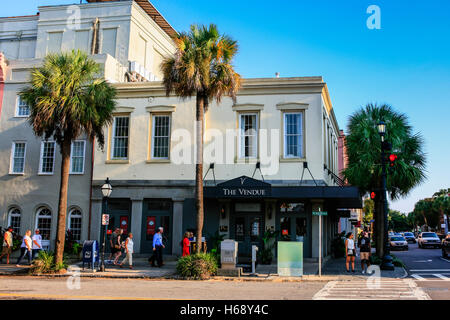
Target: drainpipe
90,191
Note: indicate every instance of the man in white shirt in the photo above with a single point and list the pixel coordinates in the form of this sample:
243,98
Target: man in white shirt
37,243
25,248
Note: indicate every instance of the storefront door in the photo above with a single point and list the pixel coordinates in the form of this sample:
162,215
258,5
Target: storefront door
119,217
294,225
157,213
247,231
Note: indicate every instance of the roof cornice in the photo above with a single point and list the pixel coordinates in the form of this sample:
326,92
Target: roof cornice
253,86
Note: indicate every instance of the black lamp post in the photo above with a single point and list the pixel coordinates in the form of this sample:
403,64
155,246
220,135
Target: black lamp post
106,191
386,264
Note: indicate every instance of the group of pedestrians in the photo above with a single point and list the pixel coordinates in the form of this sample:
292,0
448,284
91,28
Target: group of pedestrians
118,245
30,247
365,249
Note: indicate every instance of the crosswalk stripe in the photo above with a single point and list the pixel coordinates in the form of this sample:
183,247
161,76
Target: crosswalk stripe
417,277
441,276
430,270
362,290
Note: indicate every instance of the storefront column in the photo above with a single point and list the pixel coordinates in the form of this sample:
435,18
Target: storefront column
224,221
96,220
136,223
271,213
177,230
316,206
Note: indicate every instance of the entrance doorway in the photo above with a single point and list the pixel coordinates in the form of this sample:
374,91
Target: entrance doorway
119,217
247,229
157,213
295,225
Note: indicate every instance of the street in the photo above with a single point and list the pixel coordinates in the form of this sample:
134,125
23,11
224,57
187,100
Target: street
428,277
430,271
140,289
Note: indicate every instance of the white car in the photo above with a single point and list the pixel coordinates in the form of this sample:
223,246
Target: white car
398,242
428,239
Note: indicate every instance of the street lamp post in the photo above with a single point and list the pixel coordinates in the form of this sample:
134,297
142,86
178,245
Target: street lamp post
106,191
386,264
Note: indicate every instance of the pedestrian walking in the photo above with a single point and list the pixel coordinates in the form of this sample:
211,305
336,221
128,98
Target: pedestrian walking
7,244
25,248
128,251
157,249
112,241
186,244
118,247
350,252
37,243
365,251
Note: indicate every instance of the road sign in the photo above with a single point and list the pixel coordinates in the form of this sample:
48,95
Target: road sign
320,213
105,219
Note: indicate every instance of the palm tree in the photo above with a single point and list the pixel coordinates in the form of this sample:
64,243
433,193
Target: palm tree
67,100
201,67
364,157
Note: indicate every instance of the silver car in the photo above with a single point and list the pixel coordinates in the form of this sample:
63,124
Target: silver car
398,243
428,239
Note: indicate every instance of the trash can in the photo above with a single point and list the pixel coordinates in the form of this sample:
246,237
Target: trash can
90,253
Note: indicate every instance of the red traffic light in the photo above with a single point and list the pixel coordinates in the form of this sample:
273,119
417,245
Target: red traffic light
372,195
392,159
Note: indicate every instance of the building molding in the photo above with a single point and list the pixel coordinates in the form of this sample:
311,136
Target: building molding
295,105
239,107
161,108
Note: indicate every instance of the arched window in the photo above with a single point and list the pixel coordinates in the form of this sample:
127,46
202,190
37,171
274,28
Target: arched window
14,219
44,222
75,224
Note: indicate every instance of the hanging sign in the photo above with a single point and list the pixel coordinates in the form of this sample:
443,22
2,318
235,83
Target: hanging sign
105,219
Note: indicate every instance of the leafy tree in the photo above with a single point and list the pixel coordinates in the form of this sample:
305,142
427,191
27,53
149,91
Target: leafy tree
67,100
368,209
364,169
201,67
398,221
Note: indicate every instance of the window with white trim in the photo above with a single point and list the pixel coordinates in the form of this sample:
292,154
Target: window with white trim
18,157
14,219
120,133
77,157
22,109
160,136
248,135
293,135
47,161
75,224
44,222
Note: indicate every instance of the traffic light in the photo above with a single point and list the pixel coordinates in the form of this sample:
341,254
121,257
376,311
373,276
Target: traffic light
392,159
373,195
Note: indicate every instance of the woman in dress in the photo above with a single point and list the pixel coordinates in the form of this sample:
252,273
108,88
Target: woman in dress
186,244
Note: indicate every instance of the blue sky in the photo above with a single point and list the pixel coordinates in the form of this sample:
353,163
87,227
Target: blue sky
406,63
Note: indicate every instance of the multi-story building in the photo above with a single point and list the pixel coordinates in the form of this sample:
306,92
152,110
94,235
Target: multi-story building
128,39
273,155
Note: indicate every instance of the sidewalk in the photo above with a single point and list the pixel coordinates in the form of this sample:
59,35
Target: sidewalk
336,268
333,269
141,269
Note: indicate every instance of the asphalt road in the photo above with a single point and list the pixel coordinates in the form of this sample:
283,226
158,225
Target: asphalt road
140,289
430,271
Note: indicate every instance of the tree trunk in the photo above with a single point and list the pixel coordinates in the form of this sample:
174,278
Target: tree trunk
199,169
62,206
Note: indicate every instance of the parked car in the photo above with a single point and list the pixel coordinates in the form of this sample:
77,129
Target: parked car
446,246
398,242
409,236
428,239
